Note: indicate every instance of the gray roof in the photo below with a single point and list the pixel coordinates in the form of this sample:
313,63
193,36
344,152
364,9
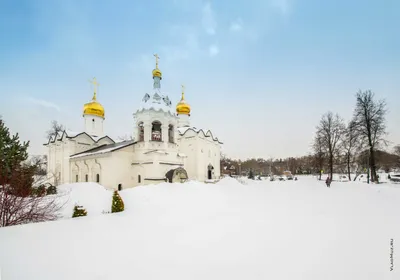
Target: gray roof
106,148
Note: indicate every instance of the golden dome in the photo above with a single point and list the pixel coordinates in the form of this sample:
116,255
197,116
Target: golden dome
157,73
93,108
183,108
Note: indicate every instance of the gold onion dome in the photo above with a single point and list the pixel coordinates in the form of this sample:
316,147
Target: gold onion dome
183,108
94,107
157,72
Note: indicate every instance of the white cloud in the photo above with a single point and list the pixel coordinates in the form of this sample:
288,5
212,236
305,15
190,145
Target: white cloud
44,103
208,20
213,50
236,25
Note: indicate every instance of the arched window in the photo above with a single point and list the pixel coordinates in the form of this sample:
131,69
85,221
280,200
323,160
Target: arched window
139,179
156,133
98,178
76,177
93,124
141,132
171,133
86,178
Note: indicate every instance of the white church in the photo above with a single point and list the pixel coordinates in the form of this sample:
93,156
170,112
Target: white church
166,148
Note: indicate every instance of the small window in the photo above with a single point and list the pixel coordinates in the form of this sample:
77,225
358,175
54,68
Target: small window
139,179
98,178
76,178
86,178
93,124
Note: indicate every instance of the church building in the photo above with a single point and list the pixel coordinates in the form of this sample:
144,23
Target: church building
165,147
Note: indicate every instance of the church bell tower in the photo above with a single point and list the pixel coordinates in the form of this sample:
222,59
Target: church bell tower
93,114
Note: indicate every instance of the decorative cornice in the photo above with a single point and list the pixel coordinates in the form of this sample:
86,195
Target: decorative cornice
51,140
204,133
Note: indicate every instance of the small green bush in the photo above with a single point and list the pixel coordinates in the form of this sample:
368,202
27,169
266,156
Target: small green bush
79,211
51,190
117,203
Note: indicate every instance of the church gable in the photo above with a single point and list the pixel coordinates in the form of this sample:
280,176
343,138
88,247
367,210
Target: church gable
83,138
187,132
105,140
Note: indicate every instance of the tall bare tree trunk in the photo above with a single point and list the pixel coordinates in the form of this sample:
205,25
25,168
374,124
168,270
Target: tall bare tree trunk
370,124
372,165
348,166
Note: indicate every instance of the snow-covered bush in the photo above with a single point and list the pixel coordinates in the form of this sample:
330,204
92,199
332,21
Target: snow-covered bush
51,190
79,211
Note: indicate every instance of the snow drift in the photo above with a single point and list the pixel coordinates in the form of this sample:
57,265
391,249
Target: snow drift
268,230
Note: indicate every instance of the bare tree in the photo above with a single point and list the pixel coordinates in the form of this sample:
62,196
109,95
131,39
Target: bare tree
370,125
330,132
18,202
55,129
40,161
319,154
350,145
396,150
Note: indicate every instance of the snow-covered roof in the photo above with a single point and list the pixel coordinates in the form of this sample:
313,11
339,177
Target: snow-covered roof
106,148
207,133
156,100
71,134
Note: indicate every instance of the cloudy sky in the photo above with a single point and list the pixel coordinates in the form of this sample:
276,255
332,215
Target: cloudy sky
259,74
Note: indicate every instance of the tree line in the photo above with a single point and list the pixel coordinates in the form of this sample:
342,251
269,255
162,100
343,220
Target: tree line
364,134
337,146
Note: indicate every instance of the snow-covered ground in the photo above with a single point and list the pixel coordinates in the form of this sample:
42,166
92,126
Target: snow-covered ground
261,230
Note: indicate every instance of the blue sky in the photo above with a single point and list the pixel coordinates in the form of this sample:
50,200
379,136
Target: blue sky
259,74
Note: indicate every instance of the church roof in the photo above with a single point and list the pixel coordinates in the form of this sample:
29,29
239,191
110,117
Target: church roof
156,100
106,148
71,135
207,133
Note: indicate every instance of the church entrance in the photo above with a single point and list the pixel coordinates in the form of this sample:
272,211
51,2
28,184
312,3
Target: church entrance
178,175
209,171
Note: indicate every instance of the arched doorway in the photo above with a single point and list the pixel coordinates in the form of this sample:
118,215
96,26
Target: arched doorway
210,171
178,175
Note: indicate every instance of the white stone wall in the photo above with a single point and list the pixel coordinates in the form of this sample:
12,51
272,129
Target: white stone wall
93,125
58,153
200,151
